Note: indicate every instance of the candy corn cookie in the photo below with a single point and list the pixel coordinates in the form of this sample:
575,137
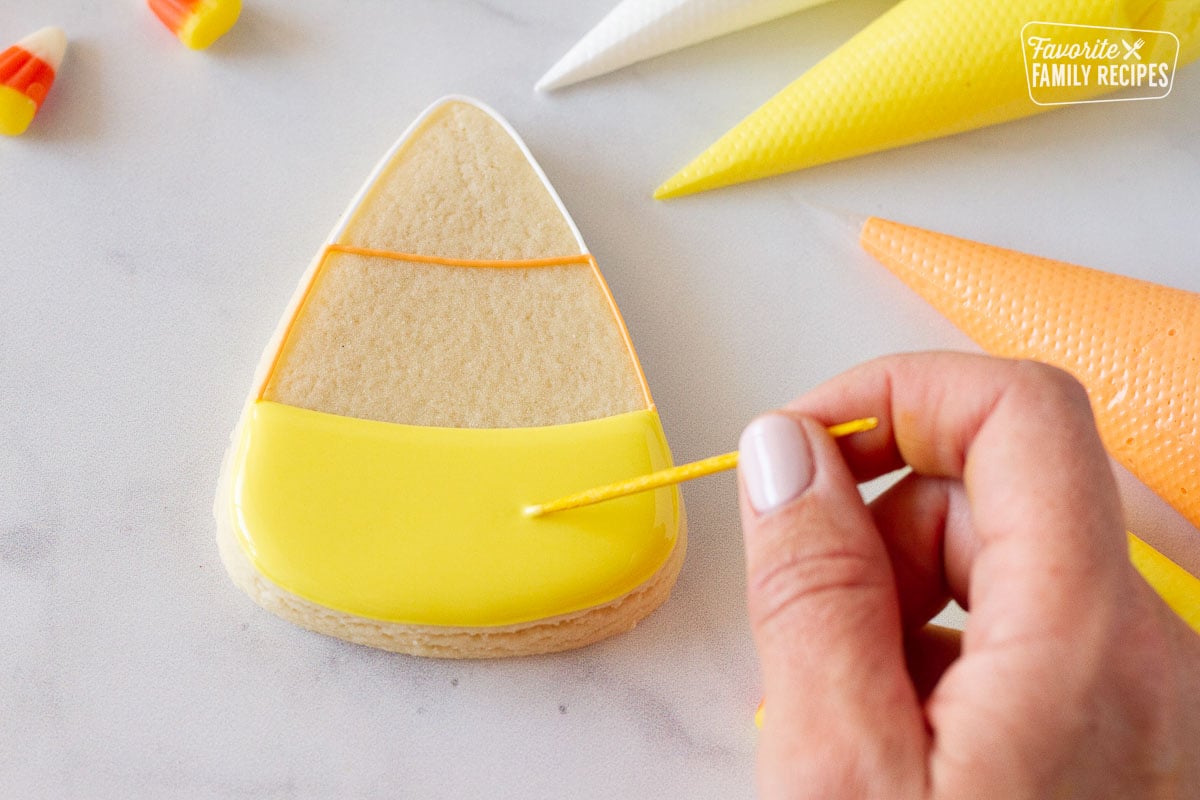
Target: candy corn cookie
27,71
451,356
1131,343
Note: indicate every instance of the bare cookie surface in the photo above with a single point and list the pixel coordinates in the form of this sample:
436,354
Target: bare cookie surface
461,188
467,347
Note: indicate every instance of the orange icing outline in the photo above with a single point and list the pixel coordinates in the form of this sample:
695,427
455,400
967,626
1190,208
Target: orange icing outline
582,258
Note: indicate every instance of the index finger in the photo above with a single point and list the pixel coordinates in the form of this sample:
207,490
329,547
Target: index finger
1020,436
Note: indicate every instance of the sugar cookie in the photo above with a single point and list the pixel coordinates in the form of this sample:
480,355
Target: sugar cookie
452,355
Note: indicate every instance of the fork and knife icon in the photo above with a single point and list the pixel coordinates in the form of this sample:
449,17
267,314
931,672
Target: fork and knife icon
1132,50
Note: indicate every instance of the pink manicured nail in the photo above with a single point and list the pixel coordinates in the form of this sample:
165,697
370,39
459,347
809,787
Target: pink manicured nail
775,462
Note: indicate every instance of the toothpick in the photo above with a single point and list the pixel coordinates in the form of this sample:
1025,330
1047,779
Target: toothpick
666,477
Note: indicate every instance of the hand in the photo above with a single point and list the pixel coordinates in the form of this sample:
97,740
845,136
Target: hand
1071,680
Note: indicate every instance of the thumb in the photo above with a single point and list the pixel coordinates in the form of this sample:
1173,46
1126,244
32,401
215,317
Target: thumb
823,607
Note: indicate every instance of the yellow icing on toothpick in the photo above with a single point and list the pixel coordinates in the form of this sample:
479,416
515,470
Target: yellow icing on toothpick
672,475
423,525
1177,587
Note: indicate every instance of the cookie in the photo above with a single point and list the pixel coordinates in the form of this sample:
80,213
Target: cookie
451,356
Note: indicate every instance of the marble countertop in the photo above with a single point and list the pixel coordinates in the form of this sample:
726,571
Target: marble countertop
154,223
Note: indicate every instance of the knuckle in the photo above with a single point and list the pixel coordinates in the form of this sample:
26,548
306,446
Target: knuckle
801,587
1050,385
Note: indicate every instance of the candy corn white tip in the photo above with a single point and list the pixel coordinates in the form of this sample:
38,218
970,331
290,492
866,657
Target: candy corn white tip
49,44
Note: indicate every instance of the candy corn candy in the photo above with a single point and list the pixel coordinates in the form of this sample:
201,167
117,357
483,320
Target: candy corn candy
197,23
636,30
925,69
27,71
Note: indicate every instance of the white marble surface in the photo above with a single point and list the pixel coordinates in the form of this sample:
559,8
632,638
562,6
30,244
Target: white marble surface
155,221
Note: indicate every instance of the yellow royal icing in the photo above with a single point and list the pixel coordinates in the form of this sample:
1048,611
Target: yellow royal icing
424,525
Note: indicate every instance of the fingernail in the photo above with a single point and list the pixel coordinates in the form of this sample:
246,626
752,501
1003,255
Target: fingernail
775,461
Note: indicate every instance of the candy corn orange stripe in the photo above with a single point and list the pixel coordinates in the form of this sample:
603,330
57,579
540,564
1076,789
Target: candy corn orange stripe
173,13
582,258
25,72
